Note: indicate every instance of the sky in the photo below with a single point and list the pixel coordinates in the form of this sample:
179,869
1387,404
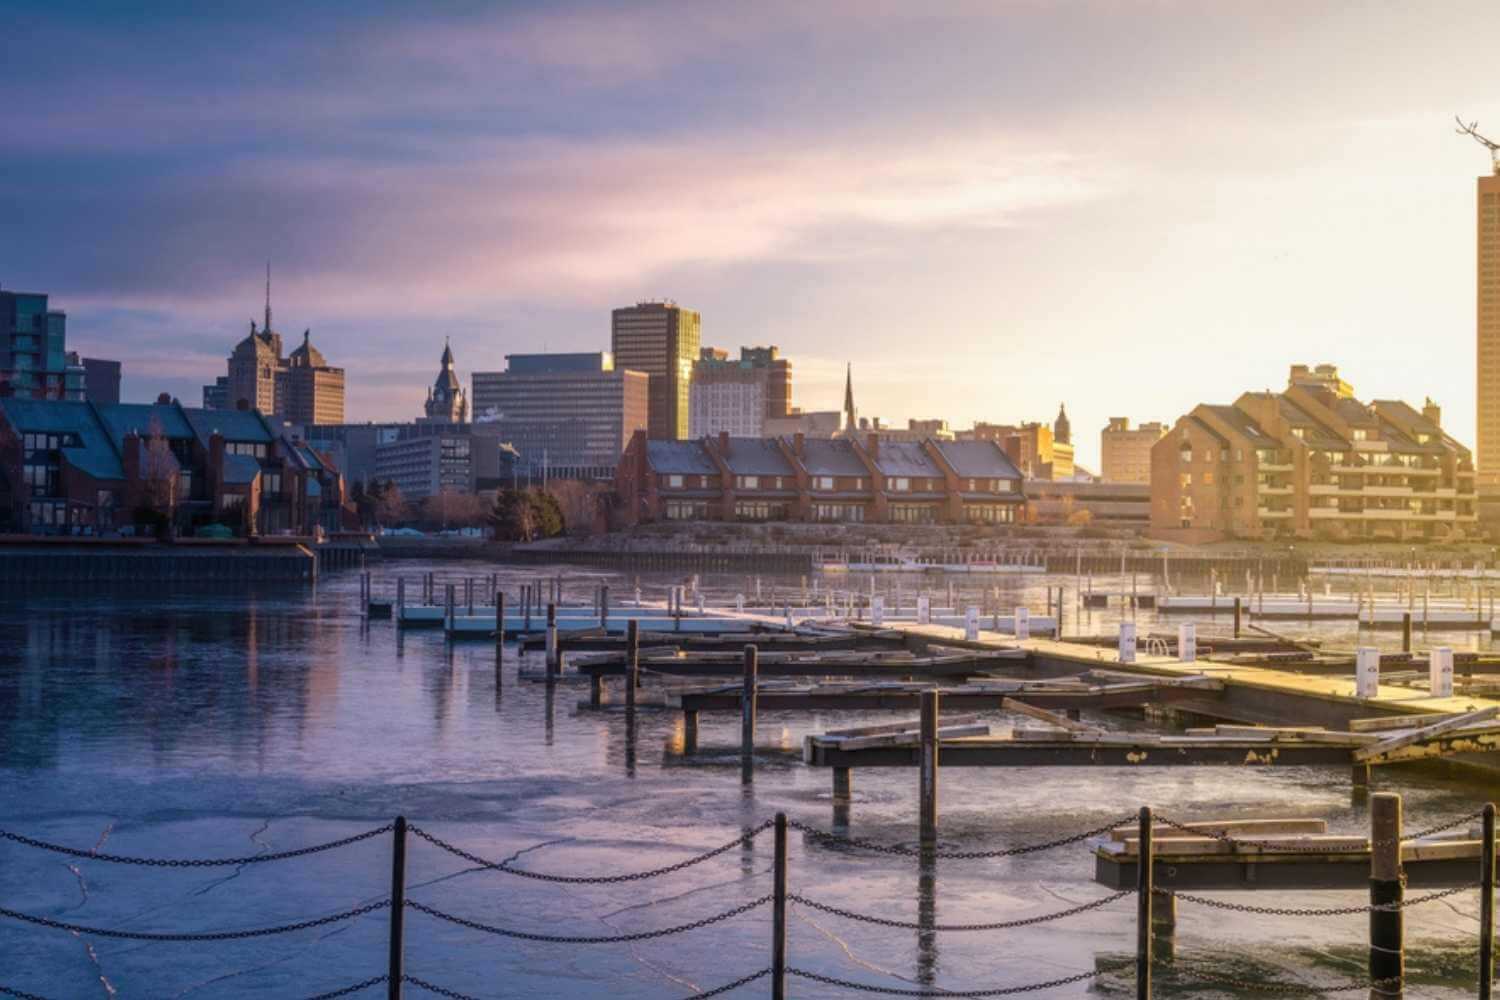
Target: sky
989,209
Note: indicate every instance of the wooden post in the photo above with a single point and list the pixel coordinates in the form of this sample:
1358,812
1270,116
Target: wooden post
1406,631
928,780
1145,885
1487,903
499,635
604,606
1387,959
526,606
778,914
394,973
632,662
469,594
554,665
747,705
400,599
448,609
689,730
843,784
1237,613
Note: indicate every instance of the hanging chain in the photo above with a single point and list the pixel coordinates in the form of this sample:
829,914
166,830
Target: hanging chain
1331,911
502,866
960,855
938,992
203,936
251,859
1002,925
588,939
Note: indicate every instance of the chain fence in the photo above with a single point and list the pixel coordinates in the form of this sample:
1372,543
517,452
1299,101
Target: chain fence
1330,911
932,991
475,925
914,852
105,932
998,926
249,859
502,866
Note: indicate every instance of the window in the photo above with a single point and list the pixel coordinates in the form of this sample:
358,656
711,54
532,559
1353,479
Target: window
747,482
1208,479
823,483
1359,434
270,483
910,513
674,482
900,484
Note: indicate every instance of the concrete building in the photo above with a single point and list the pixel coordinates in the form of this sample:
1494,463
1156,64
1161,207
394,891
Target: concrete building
1105,504
83,468
101,380
569,416
354,450
738,397
660,339
1032,447
422,466
446,403
1126,450
34,358
810,479
1311,462
313,390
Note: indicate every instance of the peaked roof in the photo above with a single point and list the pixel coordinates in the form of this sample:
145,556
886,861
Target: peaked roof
756,457
905,458
235,425
978,459
307,354
831,457
679,458
95,453
145,419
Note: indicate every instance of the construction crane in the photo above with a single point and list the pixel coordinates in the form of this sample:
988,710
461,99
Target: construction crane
1471,130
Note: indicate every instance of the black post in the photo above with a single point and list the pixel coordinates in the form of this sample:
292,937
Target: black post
1236,617
1406,631
778,914
1487,903
1145,885
394,974
553,655
632,661
747,713
927,778
604,607
1387,928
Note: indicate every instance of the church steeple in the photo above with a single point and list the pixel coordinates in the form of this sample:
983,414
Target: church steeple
849,422
1062,429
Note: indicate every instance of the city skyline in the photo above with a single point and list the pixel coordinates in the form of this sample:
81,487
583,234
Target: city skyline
813,186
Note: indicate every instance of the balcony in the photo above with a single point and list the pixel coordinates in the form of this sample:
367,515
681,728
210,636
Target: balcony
1270,512
1387,491
1265,489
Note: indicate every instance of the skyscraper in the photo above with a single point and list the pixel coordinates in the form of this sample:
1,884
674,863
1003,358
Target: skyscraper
1488,330
34,359
662,340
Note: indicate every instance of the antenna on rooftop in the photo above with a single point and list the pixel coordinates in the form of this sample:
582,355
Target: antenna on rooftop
268,296
1471,130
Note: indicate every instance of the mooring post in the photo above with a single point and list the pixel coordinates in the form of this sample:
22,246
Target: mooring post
394,973
469,594
526,606
843,784
554,666
1387,958
928,790
400,599
1237,613
747,706
604,607
1487,902
1145,885
1406,631
448,609
632,662
499,636
778,914
689,730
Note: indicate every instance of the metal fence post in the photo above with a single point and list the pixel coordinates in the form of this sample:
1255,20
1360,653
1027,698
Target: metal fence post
927,778
1487,904
398,907
1145,885
747,709
778,914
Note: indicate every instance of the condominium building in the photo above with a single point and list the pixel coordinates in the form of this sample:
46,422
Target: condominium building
1126,450
569,415
1312,462
660,339
34,358
738,397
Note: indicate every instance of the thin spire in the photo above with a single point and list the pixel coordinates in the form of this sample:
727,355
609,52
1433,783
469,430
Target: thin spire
849,396
268,297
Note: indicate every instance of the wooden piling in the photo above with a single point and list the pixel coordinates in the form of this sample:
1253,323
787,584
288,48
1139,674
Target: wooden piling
554,664
1406,631
928,790
1237,617
747,705
499,636
448,609
632,662
604,606
843,784
400,599
690,731
1145,885
1387,958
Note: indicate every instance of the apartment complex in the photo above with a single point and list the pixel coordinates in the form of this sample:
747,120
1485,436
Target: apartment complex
798,478
660,339
1126,450
1312,462
568,415
34,358
738,397
71,467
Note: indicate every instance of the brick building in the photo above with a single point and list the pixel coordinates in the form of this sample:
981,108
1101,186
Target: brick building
71,467
799,478
1312,462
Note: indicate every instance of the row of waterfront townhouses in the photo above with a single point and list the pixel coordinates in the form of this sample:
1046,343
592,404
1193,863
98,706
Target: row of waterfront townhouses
84,468
1312,462
799,478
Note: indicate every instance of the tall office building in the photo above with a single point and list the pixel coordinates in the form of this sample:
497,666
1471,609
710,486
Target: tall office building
569,415
660,339
738,396
1126,450
34,359
101,380
1488,315
303,388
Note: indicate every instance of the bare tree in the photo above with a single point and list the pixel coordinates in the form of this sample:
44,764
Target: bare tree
452,509
390,505
160,472
579,503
